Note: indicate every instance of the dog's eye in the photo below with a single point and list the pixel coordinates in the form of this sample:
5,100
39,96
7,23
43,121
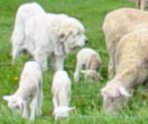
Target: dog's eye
78,33
62,35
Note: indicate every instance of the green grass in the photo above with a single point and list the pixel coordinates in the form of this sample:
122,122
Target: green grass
86,95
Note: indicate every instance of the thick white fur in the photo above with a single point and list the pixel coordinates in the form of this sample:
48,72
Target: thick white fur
51,35
27,100
131,69
118,23
18,39
61,90
88,62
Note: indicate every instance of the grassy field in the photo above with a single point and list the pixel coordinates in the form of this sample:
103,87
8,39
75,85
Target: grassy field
85,95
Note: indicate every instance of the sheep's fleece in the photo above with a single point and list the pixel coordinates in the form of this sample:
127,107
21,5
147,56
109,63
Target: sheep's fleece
131,63
118,23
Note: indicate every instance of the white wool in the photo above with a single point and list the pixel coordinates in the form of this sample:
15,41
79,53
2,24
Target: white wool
88,62
61,91
28,97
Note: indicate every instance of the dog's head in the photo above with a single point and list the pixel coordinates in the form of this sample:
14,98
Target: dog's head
15,103
114,97
71,34
62,112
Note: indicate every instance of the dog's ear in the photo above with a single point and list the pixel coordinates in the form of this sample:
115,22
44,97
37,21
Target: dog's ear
64,32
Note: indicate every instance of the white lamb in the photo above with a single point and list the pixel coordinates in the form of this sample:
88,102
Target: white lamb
61,90
88,62
18,39
131,69
118,23
27,100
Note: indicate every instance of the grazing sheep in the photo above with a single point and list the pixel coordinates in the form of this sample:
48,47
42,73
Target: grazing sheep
18,39
61,90
118,23
51,35
27,100
131,60
88,62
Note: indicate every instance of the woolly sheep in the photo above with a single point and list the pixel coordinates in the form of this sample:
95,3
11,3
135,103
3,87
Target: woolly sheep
88,62
118,23
27,100
131,62
61,90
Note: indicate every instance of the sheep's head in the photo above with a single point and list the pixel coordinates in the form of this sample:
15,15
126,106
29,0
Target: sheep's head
92,74
15,103
114,97
62,112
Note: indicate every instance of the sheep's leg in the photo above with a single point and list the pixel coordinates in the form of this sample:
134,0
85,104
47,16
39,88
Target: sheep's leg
40,99
138,4
143,3
25,113
59,63
33,107
55,102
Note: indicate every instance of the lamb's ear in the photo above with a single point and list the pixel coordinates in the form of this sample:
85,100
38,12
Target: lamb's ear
103,92
123,91
71,108
84,71
7,98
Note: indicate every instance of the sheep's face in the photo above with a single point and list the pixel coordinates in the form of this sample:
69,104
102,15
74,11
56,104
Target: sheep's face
62,112
14,103
92,75
114,98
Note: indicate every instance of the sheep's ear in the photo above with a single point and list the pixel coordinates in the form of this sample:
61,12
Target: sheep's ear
103,92
71,108
7,98
123,91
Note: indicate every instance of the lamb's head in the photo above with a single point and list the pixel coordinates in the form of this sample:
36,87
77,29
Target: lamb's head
72,34
62,112
92,74
15,103
114,97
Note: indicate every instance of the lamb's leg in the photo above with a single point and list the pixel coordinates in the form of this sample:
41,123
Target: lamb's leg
77,72
33,107
40,99
143,4
138,4
25,113
55,102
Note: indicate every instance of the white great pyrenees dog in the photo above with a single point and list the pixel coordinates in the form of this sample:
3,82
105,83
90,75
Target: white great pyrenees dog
52,35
